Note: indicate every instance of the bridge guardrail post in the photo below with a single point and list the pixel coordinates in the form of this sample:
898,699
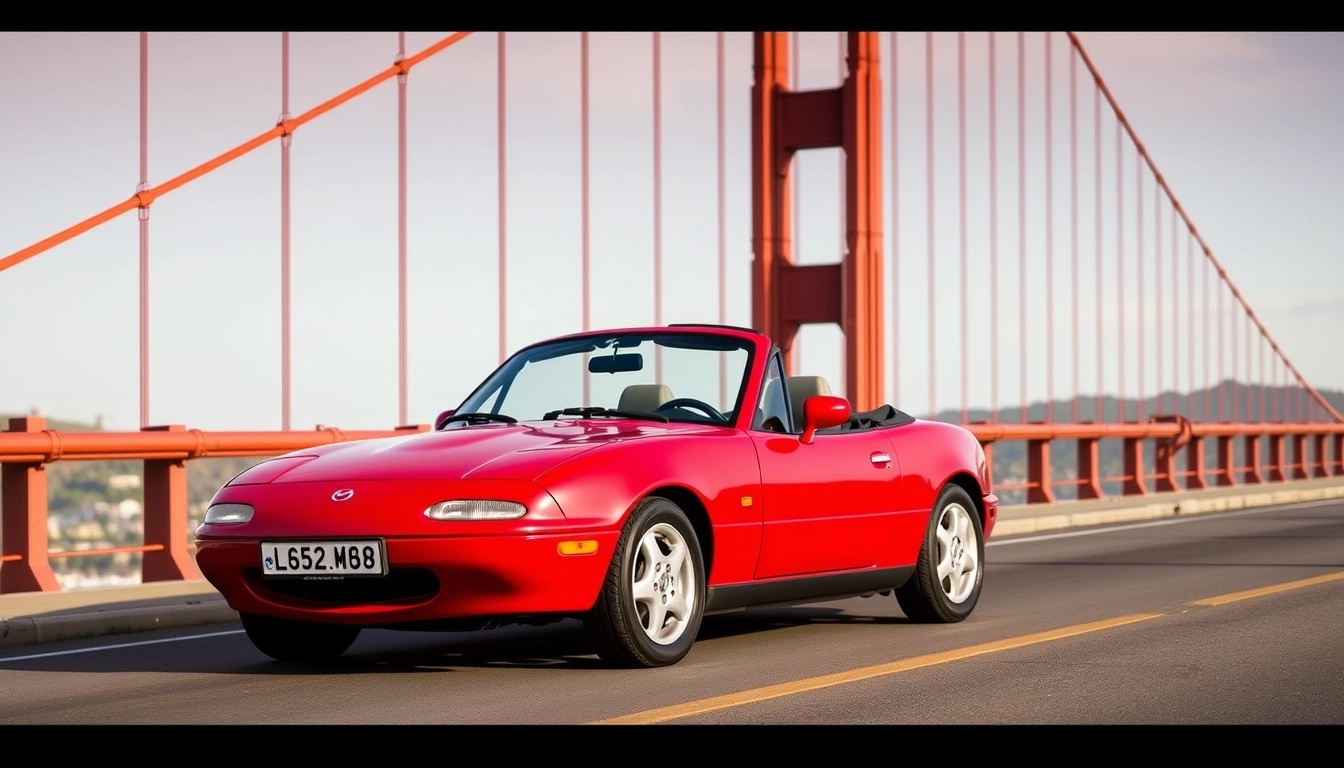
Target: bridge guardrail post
24,566
1038,473
1251,472
166,518
1226,461
1166,448
1277,462
1318,456
1194,465
1089,468
1299,457
1164,461
1134,480
1339,454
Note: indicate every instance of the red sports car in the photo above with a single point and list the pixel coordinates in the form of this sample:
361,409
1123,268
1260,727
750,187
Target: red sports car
636,479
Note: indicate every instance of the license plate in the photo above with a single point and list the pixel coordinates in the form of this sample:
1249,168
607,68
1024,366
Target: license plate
323,558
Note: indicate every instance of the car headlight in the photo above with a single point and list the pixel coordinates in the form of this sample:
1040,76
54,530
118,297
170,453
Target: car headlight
228,514
475,510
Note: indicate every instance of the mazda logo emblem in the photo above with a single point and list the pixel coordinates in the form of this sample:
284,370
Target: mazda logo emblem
345,494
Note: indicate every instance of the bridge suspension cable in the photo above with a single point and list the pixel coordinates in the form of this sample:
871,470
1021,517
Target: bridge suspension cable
1194,232
142,199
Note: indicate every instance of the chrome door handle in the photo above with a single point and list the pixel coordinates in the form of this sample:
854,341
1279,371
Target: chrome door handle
880,458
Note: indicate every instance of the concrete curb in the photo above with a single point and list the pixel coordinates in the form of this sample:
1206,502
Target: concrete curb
1126,512
113,620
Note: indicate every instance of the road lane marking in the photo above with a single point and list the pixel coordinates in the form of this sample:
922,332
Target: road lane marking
118,646
678,711
1233,597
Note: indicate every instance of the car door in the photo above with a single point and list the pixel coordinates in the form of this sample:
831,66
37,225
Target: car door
828,506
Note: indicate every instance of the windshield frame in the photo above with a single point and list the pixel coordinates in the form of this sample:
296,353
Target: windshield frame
496,386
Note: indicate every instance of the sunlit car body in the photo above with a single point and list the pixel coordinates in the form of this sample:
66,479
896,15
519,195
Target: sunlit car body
633,478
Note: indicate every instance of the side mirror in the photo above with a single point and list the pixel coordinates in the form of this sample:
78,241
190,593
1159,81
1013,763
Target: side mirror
821,412
443,418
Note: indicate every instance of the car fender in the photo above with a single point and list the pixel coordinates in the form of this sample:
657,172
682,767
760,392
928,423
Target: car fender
716,469
934,454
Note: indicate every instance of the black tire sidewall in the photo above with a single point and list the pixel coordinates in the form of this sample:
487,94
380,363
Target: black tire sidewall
660,510
955,611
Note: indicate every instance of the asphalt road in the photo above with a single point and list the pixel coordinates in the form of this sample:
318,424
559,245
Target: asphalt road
1215,619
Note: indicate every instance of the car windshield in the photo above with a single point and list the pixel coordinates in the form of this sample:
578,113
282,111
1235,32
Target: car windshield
666,376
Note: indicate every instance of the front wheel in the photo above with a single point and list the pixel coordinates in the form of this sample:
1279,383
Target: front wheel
947,580
651,603
286,640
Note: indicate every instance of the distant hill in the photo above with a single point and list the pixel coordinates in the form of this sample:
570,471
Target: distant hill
1241,402
1243,407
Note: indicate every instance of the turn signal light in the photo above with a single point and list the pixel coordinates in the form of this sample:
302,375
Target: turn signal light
577,547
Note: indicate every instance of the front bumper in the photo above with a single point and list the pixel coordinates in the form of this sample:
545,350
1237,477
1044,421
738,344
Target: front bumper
429,579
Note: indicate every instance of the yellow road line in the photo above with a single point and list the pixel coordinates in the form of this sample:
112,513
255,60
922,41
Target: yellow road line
1232,597
741,698
702,706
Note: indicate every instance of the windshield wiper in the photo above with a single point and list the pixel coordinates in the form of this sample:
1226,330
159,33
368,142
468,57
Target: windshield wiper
587,413
479,418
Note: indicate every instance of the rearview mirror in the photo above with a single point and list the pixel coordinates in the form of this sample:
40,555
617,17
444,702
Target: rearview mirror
626,363
821,412
443,419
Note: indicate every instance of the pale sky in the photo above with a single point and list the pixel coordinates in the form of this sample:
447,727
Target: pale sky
1243,126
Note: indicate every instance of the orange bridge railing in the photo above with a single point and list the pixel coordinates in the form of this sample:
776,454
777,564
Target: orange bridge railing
28,447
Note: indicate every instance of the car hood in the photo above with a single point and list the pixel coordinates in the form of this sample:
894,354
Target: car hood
485,452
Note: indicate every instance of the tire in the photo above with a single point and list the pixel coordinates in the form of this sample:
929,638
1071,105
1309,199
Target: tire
643,617
951,569
285,640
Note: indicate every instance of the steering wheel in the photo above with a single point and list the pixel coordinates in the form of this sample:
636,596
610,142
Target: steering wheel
690,402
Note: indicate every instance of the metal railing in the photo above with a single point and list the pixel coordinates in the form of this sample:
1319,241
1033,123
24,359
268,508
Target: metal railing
28,447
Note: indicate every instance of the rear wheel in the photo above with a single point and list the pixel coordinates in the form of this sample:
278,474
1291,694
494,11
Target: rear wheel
286,640
946,584
653,599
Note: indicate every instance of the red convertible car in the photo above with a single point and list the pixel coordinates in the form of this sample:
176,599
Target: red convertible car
636,479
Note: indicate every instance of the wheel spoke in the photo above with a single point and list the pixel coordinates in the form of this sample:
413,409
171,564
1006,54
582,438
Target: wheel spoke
649,551
962,524
945,569
945,537
676,559
642,589
970,561
679,606
657,615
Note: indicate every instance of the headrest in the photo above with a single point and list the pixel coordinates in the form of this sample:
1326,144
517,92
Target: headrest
644,398
801,388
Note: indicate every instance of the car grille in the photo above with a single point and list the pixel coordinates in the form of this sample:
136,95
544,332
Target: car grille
398,585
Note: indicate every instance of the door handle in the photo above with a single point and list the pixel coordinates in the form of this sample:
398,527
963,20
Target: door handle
879,459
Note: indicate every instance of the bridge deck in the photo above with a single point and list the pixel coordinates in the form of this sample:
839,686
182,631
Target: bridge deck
42,617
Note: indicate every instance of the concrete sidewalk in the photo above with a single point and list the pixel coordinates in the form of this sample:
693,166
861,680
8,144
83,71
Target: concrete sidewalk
43,617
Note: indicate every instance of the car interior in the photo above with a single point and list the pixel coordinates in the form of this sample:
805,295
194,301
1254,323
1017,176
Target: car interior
646,398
